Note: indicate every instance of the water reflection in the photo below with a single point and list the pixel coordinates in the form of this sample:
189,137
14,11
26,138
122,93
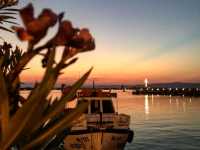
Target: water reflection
170,100
152,100
146,104
160,122
184,106
161,104
177,104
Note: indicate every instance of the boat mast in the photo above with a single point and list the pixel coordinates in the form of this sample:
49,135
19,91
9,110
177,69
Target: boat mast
117,105
93,84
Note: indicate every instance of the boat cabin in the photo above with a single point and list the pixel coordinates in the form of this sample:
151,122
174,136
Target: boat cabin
101,112
99,101
100,127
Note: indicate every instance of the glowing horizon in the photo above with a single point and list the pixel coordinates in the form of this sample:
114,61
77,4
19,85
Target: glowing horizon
135,40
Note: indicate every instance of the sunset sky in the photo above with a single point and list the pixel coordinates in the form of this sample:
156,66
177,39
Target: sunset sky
135,39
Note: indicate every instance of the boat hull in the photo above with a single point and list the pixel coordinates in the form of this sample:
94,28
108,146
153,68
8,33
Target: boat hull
97,140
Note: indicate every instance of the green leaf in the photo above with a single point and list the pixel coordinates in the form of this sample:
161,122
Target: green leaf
11,22
4,106
26,57
30,112
8,3
8,13
3,17
70,62
60,105
58,127
6,29
11,9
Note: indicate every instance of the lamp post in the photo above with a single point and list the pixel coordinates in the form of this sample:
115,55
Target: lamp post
146,82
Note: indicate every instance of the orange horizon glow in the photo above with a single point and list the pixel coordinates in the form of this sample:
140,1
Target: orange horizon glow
157,40
111,71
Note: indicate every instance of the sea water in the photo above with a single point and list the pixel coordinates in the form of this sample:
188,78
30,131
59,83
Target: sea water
159,122
162,122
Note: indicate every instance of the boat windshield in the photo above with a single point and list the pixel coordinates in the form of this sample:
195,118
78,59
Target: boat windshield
95,106
86,111
108,106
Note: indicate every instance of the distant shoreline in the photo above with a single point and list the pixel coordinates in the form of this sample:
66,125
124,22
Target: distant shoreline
126,86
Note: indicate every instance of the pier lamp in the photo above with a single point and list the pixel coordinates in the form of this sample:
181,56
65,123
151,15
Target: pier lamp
146,82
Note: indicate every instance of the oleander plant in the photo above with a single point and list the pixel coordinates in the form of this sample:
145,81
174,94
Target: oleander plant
38,121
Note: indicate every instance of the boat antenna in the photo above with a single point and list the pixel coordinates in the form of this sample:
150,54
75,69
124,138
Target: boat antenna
93,84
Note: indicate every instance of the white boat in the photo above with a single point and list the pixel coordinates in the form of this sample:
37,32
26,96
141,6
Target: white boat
100,127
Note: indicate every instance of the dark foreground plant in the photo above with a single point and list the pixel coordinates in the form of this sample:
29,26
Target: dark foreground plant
34,123
7,14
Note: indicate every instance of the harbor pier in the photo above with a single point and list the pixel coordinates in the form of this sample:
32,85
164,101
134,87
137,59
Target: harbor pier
166,91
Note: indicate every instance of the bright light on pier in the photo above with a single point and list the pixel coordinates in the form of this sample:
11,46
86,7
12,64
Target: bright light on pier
146,82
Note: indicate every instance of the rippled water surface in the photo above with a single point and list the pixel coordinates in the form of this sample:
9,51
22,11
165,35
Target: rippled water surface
160,122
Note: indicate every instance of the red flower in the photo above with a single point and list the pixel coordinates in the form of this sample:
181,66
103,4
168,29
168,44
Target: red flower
83,41
35,27
65,33
76,40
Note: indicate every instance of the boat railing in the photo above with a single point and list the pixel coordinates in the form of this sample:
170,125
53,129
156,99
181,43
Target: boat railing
122,121
101,121
80,123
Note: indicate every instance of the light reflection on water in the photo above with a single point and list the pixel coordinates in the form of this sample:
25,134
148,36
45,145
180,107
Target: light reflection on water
146,105
160,122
